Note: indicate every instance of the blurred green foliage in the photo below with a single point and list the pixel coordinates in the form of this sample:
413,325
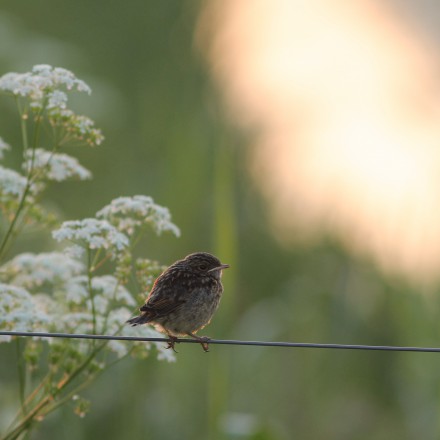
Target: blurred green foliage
165,137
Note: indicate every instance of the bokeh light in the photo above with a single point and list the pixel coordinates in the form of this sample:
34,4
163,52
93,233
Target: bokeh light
342,101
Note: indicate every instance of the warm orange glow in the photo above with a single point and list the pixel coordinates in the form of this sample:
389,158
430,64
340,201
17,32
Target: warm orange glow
343,100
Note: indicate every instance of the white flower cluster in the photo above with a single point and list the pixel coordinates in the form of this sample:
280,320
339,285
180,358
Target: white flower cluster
78,127
92,233
120,347
32,271
130,213
19,311
57,292
12,184
41,86
42,81
67,307
3,147
55,166
106,288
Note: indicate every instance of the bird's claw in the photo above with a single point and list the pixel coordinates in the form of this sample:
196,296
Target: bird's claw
204,342
172,343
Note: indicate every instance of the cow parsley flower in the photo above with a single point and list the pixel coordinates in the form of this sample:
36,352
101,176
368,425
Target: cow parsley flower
105,287
55,166
19,311
32,271
108,286
42,80
12,184
77,127
56,99
130,213
92,234
79,322
74,251
42,88
122,314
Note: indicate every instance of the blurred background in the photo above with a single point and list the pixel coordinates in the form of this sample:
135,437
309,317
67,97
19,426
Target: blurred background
299,142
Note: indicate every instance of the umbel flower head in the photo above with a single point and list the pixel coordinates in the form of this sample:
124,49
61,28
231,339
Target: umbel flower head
128,214
42,81
44,88
92,234
55,166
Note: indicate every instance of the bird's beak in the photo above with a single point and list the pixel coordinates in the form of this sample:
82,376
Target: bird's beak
221,267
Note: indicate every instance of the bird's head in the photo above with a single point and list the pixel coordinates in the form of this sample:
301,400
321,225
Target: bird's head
205,264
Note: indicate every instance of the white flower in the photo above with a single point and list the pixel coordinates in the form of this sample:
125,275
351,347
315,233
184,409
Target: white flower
33,270
105,288
66,77
55,166
24,84
57,99
130,213
78,127
11,184
41,80
118,347
76,290
3,147
43,88
75,322
19,311
92,233
144,331
110,288
74,251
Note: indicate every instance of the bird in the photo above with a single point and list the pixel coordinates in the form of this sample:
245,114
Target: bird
184,298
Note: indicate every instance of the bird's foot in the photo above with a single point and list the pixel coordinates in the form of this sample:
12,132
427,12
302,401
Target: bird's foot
171,343
204,341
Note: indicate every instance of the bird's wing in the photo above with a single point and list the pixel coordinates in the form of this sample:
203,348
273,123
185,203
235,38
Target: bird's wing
166,297
162,306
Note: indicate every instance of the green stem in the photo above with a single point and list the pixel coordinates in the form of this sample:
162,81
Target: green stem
136,240
89,287
83,385
27,421
9,232
95,260
30,398
94,268
104,327
23,127
21,375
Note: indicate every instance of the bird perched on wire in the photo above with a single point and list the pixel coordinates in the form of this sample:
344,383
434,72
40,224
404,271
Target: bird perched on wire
184,298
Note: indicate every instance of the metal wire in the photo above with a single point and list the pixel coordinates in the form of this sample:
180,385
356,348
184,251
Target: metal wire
225,342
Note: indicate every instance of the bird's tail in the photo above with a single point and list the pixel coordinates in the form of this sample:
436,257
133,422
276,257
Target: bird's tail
138,320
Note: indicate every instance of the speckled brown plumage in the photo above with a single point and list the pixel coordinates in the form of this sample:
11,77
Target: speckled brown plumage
184,297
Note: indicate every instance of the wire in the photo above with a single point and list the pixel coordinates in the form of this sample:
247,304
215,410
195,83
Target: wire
225,342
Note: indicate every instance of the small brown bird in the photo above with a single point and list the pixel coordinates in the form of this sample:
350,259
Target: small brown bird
184,298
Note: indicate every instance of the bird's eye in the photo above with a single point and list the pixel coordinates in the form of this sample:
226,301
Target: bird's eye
203,267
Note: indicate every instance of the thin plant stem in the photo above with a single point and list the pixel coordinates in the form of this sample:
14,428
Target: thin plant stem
9,232
27,421
21,375
94,268
89,287
30,398
23,126
83,385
